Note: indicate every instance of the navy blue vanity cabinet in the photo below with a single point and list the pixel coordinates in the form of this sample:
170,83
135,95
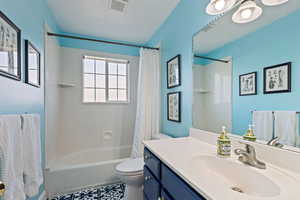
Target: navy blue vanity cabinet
176,187
165,196
161,183
153,163
151,176
151,185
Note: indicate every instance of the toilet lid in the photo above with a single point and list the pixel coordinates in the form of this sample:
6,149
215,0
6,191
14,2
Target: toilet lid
131,166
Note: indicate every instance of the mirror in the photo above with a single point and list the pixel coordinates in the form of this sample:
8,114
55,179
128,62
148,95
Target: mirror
248,74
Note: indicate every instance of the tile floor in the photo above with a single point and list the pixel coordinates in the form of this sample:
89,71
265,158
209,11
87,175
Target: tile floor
108,192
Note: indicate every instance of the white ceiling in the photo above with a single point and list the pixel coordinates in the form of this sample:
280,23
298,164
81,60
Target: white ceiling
94,18
223,30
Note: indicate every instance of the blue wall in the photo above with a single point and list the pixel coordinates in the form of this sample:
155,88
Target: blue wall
175,37
274,44
16,96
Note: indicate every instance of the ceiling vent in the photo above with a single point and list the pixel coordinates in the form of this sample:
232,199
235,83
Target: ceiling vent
118,5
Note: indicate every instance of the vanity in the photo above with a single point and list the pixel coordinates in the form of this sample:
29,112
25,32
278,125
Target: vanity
189,169
161,182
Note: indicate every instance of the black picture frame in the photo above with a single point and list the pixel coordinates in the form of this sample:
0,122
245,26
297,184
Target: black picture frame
28,45
288,79
254,92
178,119
3,34
177,59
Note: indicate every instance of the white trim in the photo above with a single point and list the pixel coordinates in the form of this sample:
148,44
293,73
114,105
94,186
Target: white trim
43,196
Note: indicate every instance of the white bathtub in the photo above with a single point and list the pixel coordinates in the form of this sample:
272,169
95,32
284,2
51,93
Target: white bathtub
83,169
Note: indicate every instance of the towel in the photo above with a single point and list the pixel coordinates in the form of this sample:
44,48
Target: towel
33,175
287,128
263,122
12,159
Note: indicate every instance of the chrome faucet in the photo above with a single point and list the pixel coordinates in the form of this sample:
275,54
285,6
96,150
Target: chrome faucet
275,142
248,157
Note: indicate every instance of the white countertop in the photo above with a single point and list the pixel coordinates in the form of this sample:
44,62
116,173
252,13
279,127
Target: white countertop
179,153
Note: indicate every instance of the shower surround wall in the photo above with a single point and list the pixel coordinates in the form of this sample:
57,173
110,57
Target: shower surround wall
52,96
83,138
83,125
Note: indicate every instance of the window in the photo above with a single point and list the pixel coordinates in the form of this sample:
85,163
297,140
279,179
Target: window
105,80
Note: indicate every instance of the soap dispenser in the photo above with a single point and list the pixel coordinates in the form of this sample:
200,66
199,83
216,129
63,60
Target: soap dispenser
224,144
250,134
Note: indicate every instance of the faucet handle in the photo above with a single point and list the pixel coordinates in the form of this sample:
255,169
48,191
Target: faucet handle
273,141
249,147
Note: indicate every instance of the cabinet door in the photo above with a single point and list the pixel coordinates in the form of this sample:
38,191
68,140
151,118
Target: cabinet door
151,186
175,186
165,196
152,163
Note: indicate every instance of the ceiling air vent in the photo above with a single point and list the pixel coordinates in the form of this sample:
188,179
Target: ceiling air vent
118,5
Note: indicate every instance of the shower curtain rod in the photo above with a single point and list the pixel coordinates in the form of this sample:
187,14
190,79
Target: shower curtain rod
100,41
214,59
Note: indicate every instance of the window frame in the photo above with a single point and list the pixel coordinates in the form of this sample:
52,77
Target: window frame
107,60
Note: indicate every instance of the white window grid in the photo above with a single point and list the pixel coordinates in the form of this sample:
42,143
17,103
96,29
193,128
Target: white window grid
107,88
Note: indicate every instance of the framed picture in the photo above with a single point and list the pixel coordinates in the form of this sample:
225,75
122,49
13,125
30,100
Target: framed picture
32,65
248,84
174,106
173,72
277,79
10,49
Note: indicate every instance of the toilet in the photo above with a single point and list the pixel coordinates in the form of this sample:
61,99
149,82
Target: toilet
131,172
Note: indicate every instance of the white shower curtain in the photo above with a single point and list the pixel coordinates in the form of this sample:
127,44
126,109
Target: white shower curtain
148,100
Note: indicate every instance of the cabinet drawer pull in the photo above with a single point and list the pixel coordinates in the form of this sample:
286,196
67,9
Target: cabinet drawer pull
147,157
147,178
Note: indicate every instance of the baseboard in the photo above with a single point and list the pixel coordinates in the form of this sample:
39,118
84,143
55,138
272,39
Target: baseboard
43,196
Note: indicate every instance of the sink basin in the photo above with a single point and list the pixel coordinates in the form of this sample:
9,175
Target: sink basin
238,177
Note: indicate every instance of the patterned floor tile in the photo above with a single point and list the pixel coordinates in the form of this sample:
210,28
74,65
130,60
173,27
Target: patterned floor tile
108,192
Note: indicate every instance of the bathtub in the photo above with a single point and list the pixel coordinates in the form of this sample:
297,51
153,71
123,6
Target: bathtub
84,169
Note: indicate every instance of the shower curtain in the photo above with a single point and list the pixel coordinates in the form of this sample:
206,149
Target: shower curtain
148,100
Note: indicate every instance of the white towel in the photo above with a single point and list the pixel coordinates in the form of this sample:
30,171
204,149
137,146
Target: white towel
33,174
12,160
263,123
286,127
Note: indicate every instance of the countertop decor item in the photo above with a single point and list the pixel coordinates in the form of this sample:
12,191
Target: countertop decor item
10,48
32,65
174,72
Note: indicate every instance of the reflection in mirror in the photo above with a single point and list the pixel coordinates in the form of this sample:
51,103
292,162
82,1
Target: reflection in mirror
32,60
247,74
10,49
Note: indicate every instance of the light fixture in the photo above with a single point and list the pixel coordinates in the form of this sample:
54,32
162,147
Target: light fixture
216,7
273,2
247,12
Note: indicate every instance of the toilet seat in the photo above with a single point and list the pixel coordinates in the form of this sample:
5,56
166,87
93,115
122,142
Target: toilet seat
131,167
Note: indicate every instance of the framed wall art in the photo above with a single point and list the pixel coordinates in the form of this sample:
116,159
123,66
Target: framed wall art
10,48
248,84
277,78
174,72
174,106
32,65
